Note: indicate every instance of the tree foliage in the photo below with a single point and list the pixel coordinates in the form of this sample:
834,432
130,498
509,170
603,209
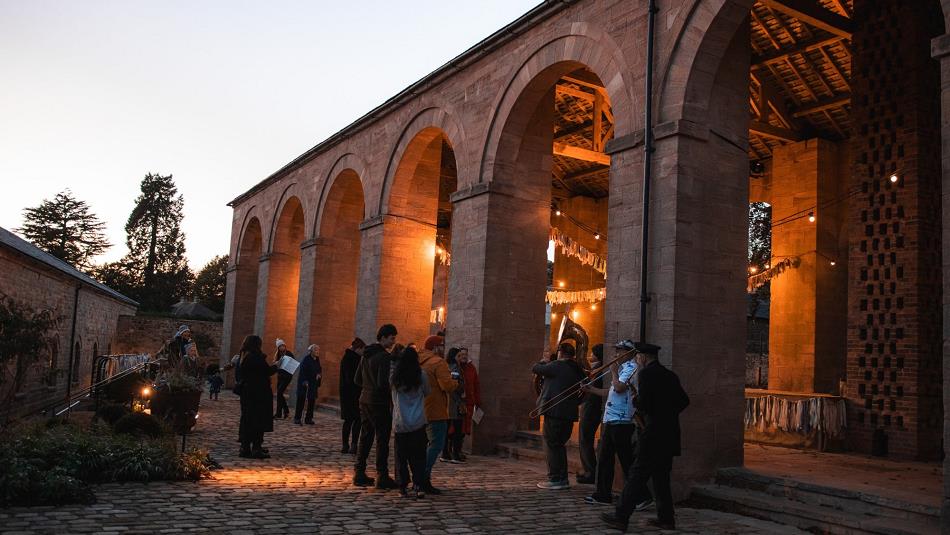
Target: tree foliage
65,228
760,234
210,282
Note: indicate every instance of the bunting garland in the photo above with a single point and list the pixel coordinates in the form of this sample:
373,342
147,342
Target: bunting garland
759,279
561,297
570,247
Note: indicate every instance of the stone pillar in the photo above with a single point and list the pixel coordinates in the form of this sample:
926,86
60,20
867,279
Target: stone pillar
367,293
229,344
305,298
941,51
281,309
807,344
260,304
894,322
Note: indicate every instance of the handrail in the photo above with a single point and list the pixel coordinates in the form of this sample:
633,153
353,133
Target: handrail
86,392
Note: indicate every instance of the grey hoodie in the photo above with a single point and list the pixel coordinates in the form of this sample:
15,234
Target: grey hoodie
409,407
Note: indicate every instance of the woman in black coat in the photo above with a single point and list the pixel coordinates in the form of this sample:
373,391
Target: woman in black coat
256,398
350,395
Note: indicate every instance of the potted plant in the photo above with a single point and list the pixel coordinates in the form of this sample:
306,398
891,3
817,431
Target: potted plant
175,399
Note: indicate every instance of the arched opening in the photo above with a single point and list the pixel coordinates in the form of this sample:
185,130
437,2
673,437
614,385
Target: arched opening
336,270
548,229
77,360
283,277
247,268
417,238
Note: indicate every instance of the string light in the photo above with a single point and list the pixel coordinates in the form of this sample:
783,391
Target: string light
594,306
557,212
560,284
581,225
811,217
833,263
576,313
597,236
894,178
753,269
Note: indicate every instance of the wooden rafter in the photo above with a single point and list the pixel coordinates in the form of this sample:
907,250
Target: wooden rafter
765,30
812,13
842,8
824,104
770,100
834,67
803,46
574,92
773,132
579,153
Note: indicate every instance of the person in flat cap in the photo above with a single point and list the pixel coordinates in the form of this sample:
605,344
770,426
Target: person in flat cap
283,380
659,400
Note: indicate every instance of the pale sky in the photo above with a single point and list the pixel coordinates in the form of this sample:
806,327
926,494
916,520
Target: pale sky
94,94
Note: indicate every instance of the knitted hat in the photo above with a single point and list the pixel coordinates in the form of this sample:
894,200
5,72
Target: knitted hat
310,348
181,330
433,342
280,343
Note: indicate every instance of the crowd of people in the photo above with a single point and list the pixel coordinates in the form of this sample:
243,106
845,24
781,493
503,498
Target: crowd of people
424,397
636,402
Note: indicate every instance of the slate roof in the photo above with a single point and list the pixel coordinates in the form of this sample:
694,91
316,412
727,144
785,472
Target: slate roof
11,240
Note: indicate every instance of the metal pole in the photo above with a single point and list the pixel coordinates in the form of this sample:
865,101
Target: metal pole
647,171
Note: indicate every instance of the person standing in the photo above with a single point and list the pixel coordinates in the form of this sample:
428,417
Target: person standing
376,409
177,348
307,384
617,434
283,380
473,398
660,399
437,403
592,410
410,386
456,410
350,395
559,418
256,398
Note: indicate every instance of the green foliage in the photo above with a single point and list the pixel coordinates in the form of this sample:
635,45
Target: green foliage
139,424
26,336
112,412
66,229
760,234
120,276
210,282
42,465
178,380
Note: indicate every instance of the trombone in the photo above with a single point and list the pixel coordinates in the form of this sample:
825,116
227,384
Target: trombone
574,389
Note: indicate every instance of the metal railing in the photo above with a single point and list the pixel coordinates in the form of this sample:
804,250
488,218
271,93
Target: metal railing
93,390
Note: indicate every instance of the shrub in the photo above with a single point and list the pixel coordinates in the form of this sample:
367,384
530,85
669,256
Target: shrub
139,424
112,412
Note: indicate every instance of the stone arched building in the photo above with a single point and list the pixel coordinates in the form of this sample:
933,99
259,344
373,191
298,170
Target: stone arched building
542,125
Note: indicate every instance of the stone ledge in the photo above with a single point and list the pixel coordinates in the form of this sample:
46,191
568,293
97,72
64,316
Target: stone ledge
472,191
940,46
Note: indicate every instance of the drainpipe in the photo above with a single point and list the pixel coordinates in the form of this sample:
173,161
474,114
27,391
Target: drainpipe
647,170
72,349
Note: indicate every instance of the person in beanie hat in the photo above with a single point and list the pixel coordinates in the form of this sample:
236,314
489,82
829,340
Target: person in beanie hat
283,380
660,399
376,411
442,384
177,348
307,384
350,395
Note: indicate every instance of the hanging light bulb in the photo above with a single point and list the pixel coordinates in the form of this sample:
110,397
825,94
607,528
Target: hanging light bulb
557,212
768,266
833,263
894,178
597,236
594,306
560,284
753,269
811,217
576,313
553,315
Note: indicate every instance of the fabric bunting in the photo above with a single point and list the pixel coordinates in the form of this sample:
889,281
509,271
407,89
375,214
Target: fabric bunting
759,279
561,297
570,247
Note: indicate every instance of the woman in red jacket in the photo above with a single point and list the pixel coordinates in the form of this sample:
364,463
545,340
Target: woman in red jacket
472,397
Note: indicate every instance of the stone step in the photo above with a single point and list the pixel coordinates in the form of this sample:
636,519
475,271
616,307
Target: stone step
807,516
834,498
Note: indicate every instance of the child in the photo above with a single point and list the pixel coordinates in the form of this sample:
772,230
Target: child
409,390
215,381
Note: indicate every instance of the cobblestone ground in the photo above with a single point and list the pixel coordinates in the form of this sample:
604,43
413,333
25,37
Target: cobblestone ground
305,488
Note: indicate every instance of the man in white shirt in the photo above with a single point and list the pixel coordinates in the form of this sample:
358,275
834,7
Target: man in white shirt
618,427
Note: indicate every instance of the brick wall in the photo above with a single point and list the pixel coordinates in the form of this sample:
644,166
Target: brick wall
894,324
147,334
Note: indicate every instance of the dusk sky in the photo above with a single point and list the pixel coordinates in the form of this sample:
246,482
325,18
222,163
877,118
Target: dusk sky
95,93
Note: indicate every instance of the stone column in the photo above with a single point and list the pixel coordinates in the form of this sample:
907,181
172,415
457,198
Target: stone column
941,51
305,297
367,294
260,304
807,343
229,345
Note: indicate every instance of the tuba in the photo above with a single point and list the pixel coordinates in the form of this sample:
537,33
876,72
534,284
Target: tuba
571,330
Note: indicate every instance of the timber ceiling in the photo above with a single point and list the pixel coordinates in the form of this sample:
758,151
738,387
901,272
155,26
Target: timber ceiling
583,123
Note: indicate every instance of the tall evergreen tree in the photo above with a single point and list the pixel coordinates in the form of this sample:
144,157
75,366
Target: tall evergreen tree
157,244
210,283
65,228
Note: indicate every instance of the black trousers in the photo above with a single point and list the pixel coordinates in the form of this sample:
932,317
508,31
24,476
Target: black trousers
556,433
351,426
411,456
376,423
646,468
587,433
282,408
616,440
308,392
453,443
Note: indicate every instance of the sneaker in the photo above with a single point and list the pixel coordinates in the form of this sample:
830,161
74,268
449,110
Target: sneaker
461,458
260,454
419,493
646,504
455,460
554,485
444,459
245,453
594,499
362,480
386,483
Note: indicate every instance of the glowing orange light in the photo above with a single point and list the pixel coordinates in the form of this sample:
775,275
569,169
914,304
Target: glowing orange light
811,217
576,313
753,269
596,236
560,284
894,178
594,306
833,262
557,212
146,391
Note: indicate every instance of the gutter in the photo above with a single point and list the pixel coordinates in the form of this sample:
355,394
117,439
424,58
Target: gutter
484,47
648,150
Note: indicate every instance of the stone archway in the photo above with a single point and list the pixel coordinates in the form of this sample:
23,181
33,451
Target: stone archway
281,270
245,269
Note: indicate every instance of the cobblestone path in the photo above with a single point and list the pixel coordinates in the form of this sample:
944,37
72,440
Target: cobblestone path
305,488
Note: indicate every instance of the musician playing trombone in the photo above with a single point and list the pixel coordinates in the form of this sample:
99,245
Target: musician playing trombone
618,432
559,376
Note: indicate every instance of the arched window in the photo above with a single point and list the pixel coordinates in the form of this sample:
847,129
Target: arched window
77,358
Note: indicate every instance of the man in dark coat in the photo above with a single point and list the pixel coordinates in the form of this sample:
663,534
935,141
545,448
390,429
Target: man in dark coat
376,411
257,399
592,410
307,383
659,400
559,419
350,395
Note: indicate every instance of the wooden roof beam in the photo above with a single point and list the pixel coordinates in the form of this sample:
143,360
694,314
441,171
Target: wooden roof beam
812,13
824,104
759,62
579,153
774,132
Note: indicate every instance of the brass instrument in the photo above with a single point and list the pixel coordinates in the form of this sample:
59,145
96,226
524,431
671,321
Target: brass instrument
574,389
